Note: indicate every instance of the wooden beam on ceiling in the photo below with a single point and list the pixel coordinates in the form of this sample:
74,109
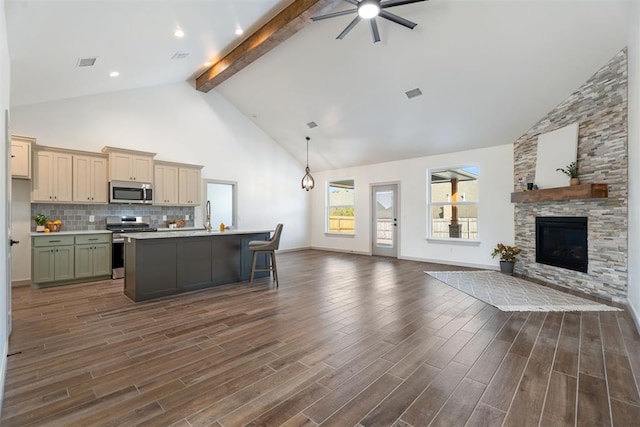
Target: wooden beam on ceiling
282,26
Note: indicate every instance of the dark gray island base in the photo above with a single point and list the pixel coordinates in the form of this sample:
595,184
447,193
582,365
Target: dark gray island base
168,263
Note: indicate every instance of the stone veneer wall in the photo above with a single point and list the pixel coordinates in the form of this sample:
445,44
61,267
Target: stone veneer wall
600,108
76,217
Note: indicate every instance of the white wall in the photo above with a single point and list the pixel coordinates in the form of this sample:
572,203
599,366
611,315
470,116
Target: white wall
5,286
633,52
495,210
183,125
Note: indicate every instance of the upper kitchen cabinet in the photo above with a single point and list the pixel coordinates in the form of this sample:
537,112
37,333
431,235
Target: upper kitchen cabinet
165,184
177,183
52,176
90,179
189,185
129,165
21,156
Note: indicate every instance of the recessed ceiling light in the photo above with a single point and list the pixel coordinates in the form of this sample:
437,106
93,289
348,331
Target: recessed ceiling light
114,74
239,31
178,33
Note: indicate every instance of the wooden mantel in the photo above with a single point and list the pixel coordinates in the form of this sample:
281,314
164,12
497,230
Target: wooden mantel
582,191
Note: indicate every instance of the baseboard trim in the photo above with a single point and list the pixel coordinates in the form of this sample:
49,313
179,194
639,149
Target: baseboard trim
284,251
319,248
15,283
634,314
3,371
454,264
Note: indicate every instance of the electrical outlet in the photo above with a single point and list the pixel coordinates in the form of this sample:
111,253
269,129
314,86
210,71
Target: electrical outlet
92,218
186,217
164,217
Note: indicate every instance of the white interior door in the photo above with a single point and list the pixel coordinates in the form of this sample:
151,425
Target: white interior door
11,242
384,224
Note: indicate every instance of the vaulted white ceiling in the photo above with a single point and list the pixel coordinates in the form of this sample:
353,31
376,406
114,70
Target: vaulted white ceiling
488,69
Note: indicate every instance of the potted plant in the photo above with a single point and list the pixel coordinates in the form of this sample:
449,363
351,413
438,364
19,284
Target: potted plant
41,221
572,172
508,255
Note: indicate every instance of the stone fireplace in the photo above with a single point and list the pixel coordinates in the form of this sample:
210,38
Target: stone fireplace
600,108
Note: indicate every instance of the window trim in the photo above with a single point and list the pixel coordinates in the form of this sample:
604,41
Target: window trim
327,232
429,204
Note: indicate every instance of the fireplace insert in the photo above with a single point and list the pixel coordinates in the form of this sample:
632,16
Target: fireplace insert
562,242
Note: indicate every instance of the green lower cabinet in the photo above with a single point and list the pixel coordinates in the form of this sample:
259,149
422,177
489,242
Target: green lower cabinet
93,260
52,264
63,259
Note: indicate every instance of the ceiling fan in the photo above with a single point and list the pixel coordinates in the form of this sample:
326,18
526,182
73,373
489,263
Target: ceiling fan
369,9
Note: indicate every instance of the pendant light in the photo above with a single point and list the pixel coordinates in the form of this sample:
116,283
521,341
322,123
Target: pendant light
307,179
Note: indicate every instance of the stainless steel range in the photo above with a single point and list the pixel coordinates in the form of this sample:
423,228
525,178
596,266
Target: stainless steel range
120,225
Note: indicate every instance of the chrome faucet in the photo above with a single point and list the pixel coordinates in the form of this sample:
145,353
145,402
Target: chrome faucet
207,225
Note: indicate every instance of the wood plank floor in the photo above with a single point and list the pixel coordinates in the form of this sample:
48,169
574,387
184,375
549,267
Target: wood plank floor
345,340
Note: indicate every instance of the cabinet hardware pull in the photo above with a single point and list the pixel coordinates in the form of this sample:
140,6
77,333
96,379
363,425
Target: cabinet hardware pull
54,241
92,239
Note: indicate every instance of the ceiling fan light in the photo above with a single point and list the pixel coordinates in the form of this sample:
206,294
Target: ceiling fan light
368,9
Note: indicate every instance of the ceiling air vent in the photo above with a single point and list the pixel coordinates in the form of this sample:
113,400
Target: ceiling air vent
312,125
413,93
86,62
180,55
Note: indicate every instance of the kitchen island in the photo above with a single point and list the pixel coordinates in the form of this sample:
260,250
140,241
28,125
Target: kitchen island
167,263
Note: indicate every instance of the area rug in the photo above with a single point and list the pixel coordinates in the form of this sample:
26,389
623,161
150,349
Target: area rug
510,293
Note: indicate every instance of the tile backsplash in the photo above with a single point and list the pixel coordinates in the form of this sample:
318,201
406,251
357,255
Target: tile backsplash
76,217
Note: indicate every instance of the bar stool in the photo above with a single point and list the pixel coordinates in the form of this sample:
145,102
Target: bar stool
266,246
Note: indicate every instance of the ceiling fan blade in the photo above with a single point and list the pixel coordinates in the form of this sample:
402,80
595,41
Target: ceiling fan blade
374,30
391,3
333,14
353,2
397,19
349,27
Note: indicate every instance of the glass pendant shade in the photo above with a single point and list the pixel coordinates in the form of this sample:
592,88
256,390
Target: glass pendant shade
307,180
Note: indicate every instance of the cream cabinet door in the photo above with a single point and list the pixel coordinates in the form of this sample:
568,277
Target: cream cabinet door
142,169
52,177
42,182
20,159
63,177
89,179
166,185
100,185
121,167
189,186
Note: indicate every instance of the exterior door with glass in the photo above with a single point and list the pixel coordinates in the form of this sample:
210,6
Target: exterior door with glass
384,227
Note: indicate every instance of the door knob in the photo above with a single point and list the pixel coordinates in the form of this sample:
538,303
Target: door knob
13,242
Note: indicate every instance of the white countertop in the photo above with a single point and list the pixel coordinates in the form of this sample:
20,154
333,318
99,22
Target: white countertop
179,229
70,233
188,233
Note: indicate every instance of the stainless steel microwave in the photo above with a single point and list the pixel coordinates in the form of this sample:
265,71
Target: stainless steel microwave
130,192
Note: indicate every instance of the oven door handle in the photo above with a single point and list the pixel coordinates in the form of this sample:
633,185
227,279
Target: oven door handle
119,240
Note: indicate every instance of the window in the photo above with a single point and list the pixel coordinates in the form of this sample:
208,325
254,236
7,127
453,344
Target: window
341,207
222,196
453,203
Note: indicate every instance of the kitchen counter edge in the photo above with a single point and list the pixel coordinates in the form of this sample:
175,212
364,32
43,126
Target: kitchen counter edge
69,233
188,233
